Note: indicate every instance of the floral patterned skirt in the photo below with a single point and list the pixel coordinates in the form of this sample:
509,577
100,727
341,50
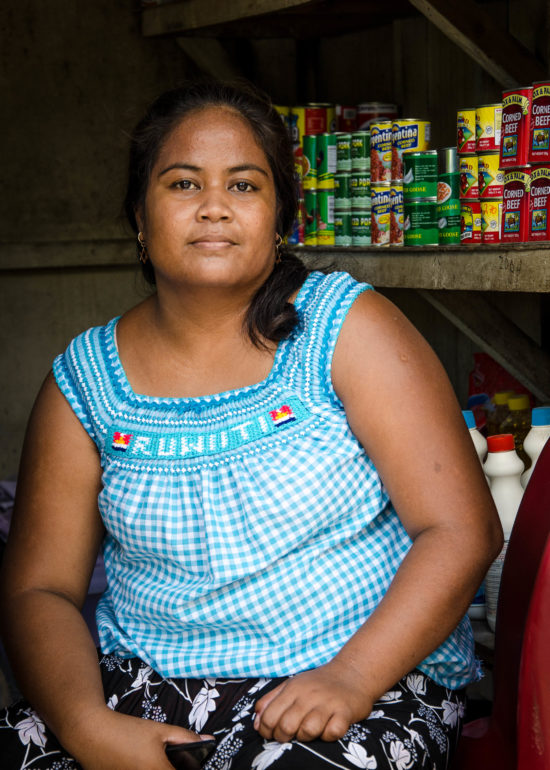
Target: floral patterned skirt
414,725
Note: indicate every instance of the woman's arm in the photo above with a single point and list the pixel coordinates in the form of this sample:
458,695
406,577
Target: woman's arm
400,405
54,540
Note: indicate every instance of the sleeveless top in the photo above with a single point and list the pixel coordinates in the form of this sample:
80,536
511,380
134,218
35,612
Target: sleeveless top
248,532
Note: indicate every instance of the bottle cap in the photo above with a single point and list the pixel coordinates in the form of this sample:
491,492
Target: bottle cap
502,397
470,419
540,415
515,403
502,442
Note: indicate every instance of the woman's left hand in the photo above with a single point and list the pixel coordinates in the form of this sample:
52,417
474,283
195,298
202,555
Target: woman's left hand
321,703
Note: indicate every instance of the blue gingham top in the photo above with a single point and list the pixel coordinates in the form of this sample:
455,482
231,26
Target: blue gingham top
247,533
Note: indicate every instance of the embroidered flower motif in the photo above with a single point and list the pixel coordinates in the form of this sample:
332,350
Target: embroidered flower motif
358,756
143,676
32,729
259,685
391,695
376,714
400,756
450,713
416,684
271,751
204,703
112,702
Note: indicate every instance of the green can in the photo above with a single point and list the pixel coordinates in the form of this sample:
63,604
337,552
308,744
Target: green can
360,189
343,152
342,190
420,228
325,217
360,151
309,167
420,174
448,209
310,224
342,228
360,228
326,161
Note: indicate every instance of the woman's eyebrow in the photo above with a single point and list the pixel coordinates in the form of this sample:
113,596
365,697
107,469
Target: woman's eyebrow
247,167
186,166
232,170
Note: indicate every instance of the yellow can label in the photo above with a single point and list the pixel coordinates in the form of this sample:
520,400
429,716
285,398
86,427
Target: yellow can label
488,127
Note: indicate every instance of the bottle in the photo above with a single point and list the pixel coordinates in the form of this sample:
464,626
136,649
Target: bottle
497,411
536,438
518,423
504,468
480,442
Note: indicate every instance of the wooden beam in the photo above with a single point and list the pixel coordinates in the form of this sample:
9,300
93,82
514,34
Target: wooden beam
489,44
497,335
194,14
210,56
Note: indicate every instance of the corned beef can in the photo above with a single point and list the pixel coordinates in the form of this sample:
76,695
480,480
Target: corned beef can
539,203
397,218
374,112
380,214
488,127
466,131
516,127
490,177
515,206
407,135
380,152
539,145
491,216
468,176
470,222
346,117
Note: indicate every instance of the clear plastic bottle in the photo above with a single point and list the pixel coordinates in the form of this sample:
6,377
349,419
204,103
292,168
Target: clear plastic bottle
536,438
503,468
480,442
498,411
518,423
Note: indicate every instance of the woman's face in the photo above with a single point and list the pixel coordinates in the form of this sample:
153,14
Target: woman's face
210,208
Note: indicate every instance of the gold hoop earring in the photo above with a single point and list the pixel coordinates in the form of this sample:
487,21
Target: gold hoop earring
278,242
143,255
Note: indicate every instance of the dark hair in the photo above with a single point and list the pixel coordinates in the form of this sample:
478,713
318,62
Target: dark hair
270,315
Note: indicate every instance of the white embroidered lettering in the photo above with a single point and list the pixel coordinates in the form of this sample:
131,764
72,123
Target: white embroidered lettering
141,444
169,451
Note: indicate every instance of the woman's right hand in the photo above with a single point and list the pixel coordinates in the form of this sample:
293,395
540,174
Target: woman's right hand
114,741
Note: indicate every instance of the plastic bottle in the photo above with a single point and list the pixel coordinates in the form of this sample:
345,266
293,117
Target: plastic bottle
518,423
536,438
498,411
480,442
504,468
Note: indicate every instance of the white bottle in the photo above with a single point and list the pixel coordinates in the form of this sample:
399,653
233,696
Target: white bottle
503,468
480,442
536,438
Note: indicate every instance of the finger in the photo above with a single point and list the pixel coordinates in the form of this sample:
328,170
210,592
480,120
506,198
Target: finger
266,699
272,715
336,727
313,724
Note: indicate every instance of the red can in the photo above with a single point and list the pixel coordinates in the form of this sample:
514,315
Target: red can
539,145
516,127
470,222
346,118
539,204
515,206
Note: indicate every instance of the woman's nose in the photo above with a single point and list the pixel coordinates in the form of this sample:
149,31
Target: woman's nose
215,205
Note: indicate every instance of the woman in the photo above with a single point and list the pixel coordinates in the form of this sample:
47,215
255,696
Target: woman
293,517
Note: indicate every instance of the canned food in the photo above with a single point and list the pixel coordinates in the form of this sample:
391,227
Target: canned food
360,151
491,215
539,146
342,190
515,209
326,161
380,214
539,204
315,117
380,152
407,135
331,118
420,169
397,219
361,228
470,221
310,223
488,127
360,189
373,112
309,163
468,171
466,131
346,117
448,208
343,152
420,226
447,160
284,112
516,127
342,228
296,237
309,119
490,177
325,217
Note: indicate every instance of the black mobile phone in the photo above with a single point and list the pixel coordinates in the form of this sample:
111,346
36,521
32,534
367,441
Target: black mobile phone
189,756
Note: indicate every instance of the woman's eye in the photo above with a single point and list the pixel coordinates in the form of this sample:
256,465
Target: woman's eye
244,186
185,184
